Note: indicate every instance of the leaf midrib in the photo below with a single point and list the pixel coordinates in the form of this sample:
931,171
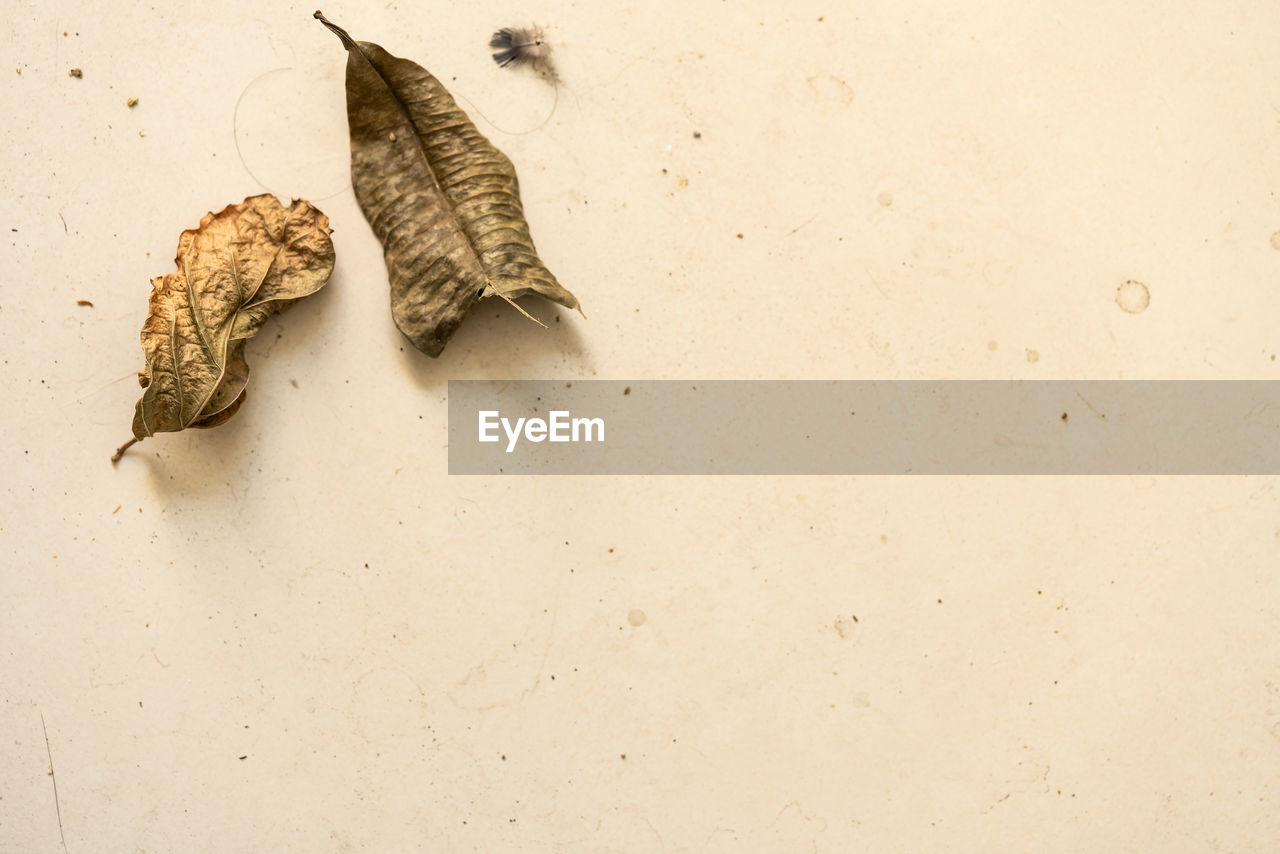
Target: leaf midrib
422,151
231,323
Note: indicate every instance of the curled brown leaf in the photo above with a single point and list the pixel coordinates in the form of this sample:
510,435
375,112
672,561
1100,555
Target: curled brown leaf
237,269
443,201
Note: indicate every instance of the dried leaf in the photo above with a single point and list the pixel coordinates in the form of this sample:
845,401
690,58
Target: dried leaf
241,266
441,198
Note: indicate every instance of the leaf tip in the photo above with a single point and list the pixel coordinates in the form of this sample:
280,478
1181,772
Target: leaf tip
491,288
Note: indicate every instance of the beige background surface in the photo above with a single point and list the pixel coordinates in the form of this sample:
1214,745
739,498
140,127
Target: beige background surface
296,633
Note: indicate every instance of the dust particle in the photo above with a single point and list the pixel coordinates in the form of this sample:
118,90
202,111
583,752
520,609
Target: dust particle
84,302
739,235
76,73
1033,356
885,199
1064,416
697,134
131,103
627,390
636,617
1133,297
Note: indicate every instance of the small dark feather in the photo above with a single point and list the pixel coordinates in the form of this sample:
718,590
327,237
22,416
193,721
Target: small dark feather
522,46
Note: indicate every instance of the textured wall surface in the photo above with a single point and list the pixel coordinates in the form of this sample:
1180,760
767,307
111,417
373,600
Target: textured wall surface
297,633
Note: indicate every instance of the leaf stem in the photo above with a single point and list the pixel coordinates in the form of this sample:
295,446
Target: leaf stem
115,458
338,31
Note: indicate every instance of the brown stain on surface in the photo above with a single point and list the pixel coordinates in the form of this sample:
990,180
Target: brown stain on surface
1133,296
830,92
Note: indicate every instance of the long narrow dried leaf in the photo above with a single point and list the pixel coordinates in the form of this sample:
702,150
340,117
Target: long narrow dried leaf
239,267
444,202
